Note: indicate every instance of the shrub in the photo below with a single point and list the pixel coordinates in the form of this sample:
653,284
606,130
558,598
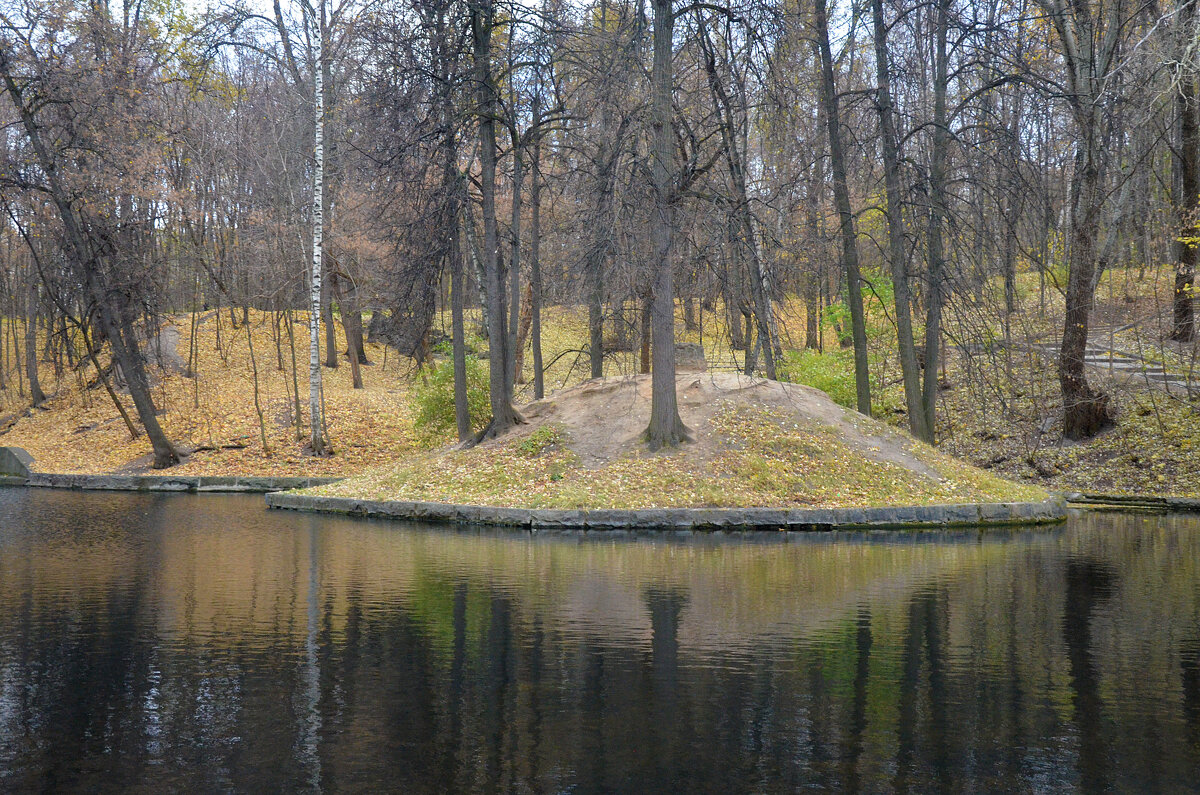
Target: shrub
433,400
831,372
471,343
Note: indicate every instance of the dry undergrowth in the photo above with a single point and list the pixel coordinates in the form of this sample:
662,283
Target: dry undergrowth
1004,412
79,430
1013,426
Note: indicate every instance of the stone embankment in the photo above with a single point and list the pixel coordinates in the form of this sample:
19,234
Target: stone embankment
17,469
899,517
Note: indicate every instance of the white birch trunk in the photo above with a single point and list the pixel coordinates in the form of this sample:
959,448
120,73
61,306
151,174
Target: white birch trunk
314,314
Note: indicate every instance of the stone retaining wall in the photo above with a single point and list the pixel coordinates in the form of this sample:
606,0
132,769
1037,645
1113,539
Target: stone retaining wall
910,517
176,483
180,483
15,462
1134,503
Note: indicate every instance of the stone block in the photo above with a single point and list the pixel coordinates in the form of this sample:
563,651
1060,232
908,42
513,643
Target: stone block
607,519
15,462
437,511
808,519
711,518
673,519
689,358
506,517
557,519
171,484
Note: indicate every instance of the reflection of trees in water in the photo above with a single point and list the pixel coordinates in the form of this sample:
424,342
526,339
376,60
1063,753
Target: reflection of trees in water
453,666
665,606
923,684
858,713
1089,584
1189,663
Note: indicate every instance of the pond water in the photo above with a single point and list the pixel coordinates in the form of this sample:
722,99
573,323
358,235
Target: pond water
202,643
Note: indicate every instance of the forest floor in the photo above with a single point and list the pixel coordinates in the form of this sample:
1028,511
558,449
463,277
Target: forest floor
1000,410
215,415
1003,411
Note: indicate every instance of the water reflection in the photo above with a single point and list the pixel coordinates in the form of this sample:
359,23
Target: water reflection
151,643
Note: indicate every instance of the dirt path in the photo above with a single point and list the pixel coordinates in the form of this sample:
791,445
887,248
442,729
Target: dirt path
163,350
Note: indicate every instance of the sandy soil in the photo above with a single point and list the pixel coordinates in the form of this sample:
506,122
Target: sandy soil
606,417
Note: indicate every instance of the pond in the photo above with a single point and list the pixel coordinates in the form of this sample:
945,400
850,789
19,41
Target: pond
201,643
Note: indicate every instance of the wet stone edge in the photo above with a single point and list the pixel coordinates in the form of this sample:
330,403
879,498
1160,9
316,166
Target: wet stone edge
1132,503
193,484
1049,511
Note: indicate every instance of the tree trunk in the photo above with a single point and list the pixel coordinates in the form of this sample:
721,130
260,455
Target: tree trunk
514,273
813,278
504,415
829,99
689,314
346,292
595,322
731,287
351,322
666,429
524,323
1085,411
601,243
476,265
331,354
457,227
36,396
462,409
812,312
909,367
5,328
1183,327
317,426
937,210
644,337
594,265
535,264
123,339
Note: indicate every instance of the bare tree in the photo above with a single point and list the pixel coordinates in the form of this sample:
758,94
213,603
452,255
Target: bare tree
67,105
837,162
666,429
1187,164
1090,37
504,414
317,439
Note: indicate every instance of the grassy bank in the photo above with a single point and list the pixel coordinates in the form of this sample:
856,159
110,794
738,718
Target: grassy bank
755,444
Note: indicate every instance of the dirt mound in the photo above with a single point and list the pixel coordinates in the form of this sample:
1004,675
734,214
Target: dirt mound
756,443
604,418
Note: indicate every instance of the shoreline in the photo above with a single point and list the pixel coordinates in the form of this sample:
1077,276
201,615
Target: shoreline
1004,514
279,495
193,484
